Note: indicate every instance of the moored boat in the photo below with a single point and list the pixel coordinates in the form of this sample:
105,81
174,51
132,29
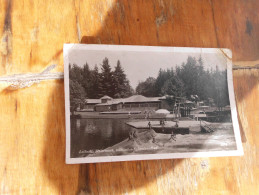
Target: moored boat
170,130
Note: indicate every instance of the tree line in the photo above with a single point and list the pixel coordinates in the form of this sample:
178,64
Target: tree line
92,83
190,80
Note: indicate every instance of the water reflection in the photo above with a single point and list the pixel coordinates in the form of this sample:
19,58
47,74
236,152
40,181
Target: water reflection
93,134
78,124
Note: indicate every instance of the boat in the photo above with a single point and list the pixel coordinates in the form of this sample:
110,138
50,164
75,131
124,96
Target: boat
170,130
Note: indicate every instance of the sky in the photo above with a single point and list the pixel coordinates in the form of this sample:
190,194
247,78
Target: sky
139,65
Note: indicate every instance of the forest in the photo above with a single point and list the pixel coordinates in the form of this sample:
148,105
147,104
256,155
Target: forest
189,80
86,83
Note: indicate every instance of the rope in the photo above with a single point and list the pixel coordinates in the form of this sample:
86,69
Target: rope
18,81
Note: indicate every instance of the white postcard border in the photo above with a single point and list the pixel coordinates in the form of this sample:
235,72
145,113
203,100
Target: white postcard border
68,47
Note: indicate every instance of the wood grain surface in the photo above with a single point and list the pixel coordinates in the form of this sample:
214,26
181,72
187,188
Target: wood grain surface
32,120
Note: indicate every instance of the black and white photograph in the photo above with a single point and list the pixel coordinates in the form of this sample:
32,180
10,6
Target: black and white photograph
142,102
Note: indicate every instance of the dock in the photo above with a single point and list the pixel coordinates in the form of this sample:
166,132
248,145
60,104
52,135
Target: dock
167,128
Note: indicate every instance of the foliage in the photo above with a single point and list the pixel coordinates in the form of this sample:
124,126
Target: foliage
189,80
147,88
173,86
87,83
106,81
95,81
77,95
121,85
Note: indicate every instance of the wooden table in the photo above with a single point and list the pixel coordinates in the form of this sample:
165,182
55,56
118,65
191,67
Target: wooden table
32,119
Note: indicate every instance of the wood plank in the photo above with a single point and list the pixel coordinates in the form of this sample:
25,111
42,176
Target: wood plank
32,141
32,134
229,175
35,32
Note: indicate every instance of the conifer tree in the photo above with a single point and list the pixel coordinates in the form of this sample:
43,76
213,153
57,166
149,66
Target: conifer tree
86,81
147,87
120,82
106,79
95,82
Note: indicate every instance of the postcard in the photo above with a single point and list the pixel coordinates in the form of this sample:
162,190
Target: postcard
127,103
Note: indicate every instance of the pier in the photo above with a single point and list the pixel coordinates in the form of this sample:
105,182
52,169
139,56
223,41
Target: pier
167,128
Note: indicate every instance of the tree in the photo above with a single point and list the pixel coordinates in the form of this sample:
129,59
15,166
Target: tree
160,81
76,91
147,88
201,80
190,80
106,79
119,80
189,76
75,73
173,86
77,95
96,79
87,80
121,84
129,91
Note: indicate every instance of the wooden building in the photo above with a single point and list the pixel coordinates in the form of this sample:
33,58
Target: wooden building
135,102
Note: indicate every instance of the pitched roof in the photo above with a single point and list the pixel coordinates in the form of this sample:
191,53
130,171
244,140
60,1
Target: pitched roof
93,101
154,99
131,99
105,97
109,103
141,98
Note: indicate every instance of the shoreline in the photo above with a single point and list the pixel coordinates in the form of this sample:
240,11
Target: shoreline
124,115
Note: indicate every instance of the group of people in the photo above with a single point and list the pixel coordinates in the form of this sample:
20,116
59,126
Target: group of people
162,123
133,134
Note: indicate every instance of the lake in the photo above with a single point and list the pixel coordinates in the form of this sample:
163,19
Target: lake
93,134
99,134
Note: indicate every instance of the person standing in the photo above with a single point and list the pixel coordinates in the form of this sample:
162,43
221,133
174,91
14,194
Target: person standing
149,125
173,136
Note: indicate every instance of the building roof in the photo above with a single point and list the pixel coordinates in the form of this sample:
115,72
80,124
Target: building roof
93,101
154,99
141,98
131,99
106,97
117,101
162,111
109,103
